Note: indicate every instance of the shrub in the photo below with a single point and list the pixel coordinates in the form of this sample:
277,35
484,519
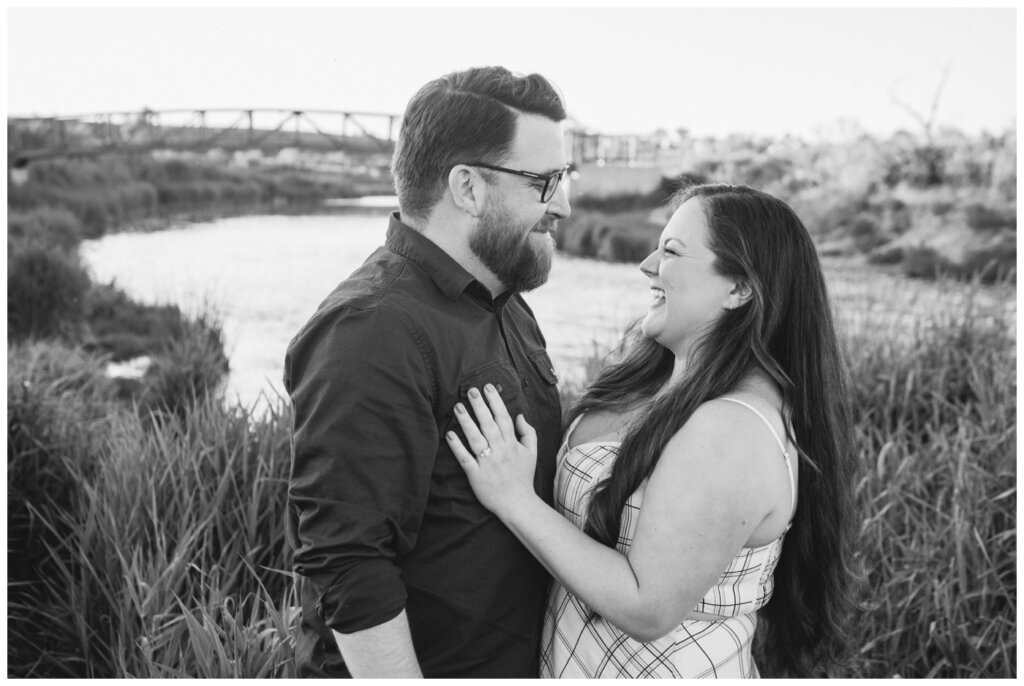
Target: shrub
825,211
627,247
209,192
122,328
983,217
627,237
92,207
136,199
188,369
895,216
173,194
50,227
926,262
178,170
22,198
886,254
580,234
296,187
866,233
187,356
994,262
100,196
45,291
763,171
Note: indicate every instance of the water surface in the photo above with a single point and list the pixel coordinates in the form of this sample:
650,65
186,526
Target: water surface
265,275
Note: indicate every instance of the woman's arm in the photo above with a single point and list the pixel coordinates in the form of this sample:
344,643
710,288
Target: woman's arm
701,505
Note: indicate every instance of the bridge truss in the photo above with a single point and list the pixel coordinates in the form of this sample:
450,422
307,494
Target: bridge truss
266,130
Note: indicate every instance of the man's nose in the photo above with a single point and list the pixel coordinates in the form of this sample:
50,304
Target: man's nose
559,203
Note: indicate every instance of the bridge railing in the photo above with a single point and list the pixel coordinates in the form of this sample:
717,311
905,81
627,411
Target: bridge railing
232,129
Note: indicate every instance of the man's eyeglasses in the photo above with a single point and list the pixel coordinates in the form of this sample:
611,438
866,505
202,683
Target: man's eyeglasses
551,180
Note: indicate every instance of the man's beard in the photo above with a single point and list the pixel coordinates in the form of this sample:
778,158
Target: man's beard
510,251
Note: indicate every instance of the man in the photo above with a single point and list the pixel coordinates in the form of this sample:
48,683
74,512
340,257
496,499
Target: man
400,570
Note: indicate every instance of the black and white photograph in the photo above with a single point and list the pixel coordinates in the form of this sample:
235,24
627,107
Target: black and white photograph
549,341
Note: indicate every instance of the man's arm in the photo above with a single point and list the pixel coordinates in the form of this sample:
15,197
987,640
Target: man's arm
381,652
365,441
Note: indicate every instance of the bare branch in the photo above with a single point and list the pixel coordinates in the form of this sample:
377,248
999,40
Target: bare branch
938,97
926,122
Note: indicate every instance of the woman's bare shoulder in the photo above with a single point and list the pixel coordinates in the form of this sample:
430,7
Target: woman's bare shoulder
728,432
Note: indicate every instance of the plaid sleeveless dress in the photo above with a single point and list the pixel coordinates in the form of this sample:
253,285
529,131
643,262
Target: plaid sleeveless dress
577,644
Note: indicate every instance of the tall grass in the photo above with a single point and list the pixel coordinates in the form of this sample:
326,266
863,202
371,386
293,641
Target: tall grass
935,411
157,545
164,555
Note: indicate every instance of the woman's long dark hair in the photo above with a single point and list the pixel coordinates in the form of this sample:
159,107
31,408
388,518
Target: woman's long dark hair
785,331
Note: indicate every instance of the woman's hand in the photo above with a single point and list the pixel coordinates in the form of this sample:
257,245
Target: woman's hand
501,456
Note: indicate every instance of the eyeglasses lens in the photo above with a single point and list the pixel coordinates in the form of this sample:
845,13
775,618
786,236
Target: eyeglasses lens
550,187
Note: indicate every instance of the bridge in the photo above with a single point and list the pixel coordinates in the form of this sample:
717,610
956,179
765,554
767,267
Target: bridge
268,130
368,136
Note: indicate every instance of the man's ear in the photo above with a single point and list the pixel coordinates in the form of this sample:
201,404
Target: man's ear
740,294
468,189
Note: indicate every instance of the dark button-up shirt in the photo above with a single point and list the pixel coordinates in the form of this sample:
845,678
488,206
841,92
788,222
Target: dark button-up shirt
381,516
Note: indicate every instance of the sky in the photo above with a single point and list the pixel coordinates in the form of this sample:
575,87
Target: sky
764,71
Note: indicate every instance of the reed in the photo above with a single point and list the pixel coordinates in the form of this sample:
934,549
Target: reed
166,555
935,412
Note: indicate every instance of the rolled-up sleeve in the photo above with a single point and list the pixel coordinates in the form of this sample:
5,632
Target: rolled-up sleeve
364,444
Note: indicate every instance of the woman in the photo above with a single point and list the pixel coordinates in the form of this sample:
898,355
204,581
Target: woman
722,433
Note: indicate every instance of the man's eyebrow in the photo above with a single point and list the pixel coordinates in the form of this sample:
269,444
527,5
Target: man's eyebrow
665,242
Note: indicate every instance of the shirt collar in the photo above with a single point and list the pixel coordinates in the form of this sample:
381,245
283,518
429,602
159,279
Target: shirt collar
443,270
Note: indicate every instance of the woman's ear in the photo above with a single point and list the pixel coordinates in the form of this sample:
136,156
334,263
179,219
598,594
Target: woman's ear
740,294
468,189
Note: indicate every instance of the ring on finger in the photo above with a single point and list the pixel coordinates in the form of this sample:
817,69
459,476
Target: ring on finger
484,453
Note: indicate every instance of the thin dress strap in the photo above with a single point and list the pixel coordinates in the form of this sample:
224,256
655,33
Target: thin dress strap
782,447
568,432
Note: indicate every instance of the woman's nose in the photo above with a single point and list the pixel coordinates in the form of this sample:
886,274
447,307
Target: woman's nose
649,266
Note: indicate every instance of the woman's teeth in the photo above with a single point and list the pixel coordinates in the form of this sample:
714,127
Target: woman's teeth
658,296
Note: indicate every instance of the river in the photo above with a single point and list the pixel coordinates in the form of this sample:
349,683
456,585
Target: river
263,276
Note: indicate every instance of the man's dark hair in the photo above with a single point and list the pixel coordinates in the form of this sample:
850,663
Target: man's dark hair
463,116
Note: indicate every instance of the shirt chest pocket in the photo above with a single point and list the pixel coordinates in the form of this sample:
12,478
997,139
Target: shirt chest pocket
502,376
542,365
499,374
